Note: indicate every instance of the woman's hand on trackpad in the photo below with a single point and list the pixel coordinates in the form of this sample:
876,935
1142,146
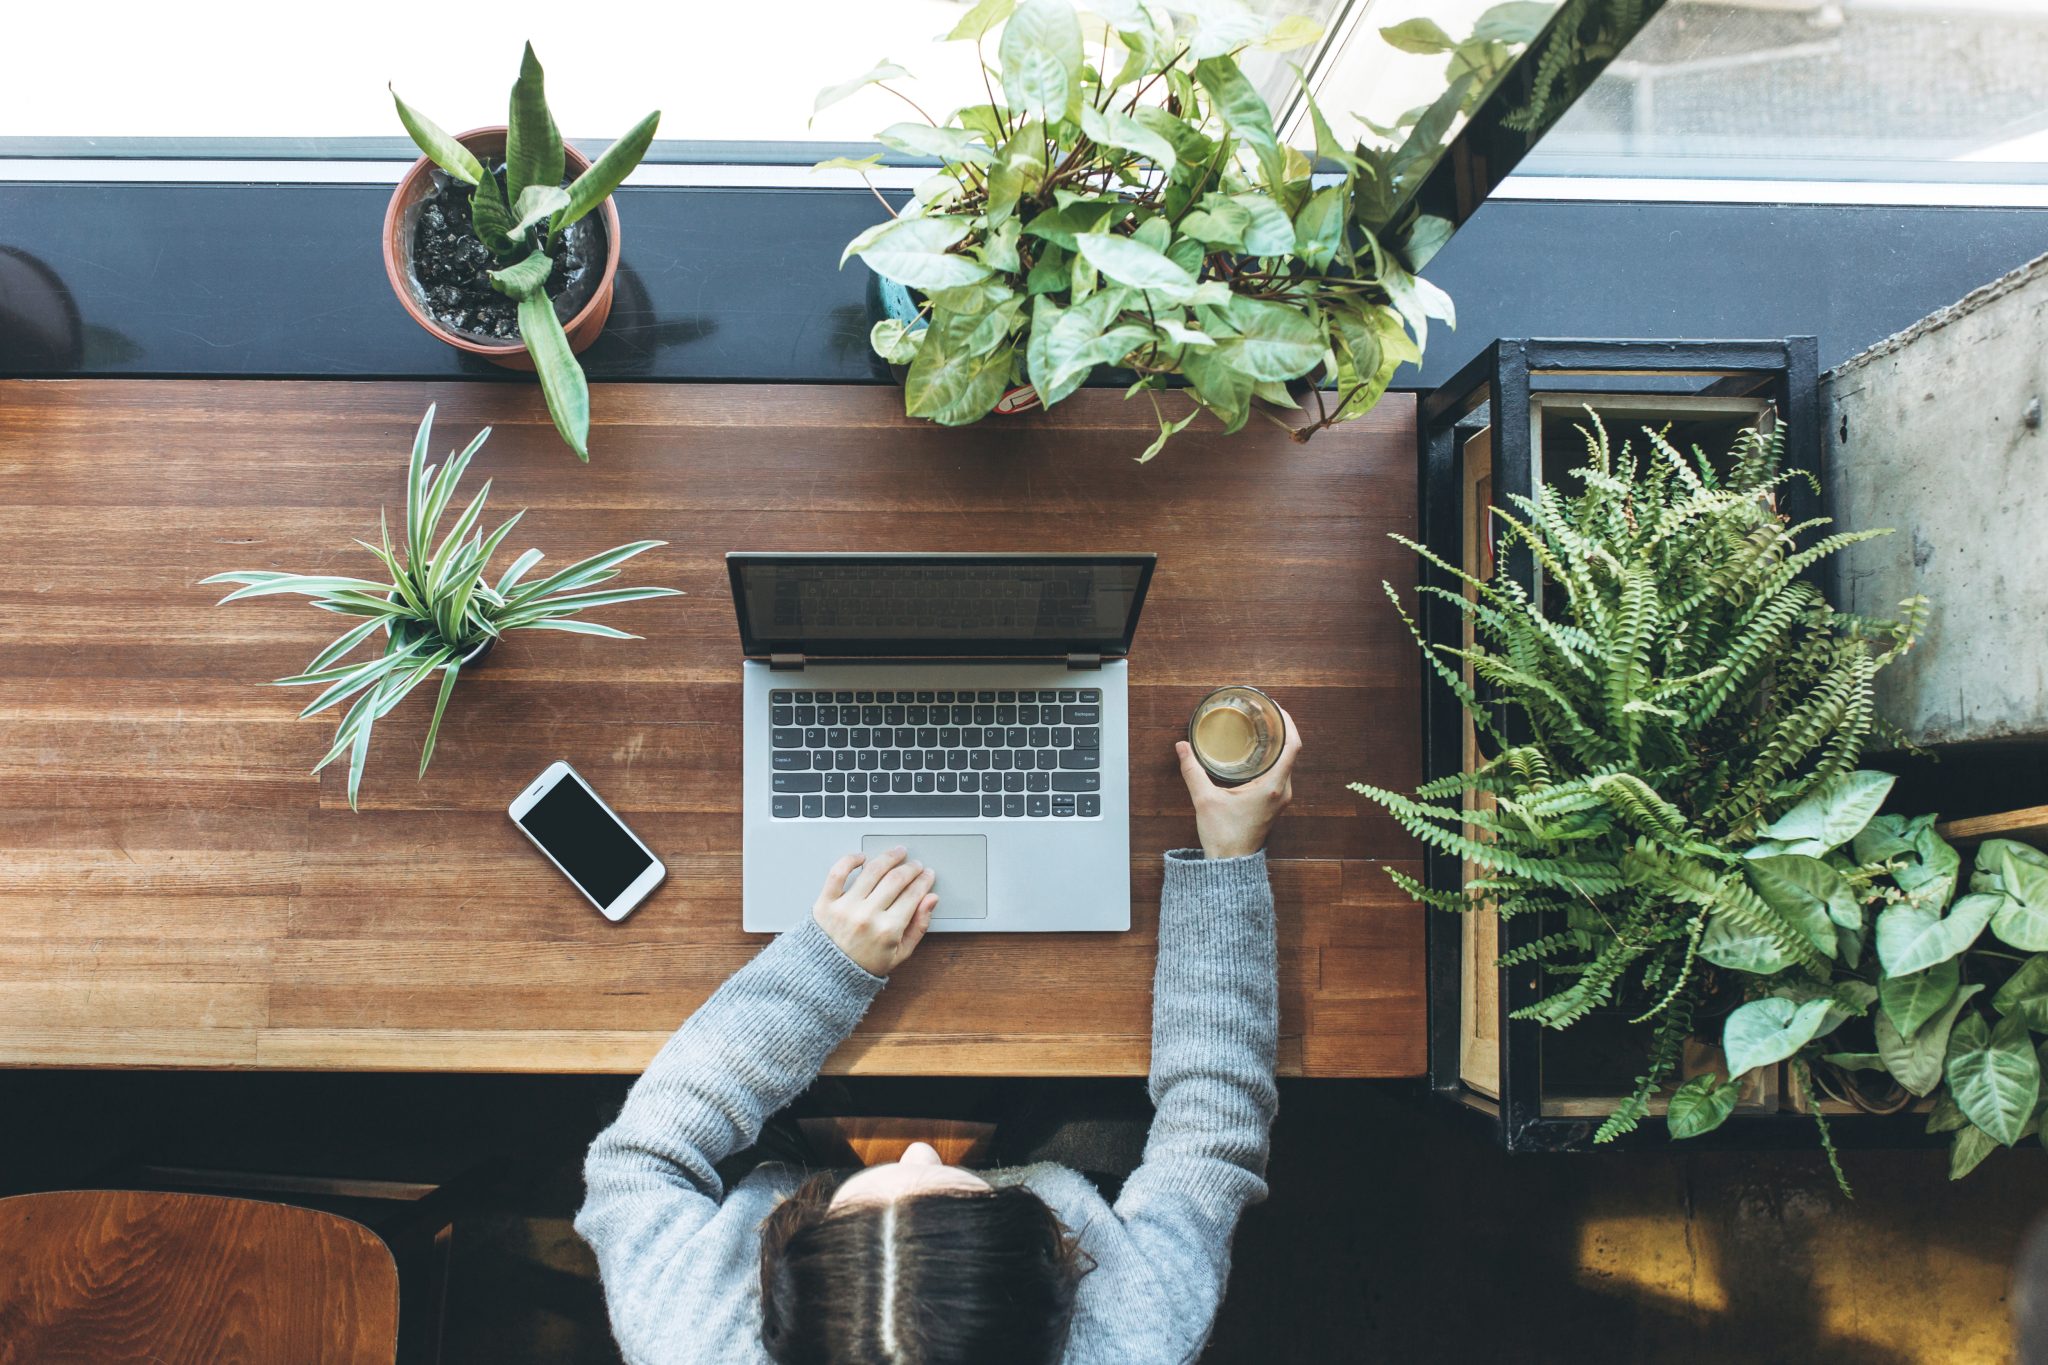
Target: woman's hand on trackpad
880,916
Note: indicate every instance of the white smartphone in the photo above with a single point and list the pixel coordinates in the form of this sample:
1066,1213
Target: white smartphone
587,840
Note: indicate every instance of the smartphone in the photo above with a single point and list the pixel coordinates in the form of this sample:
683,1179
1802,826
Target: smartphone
584,837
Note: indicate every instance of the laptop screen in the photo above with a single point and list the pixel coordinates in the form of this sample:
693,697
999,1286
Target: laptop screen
911,605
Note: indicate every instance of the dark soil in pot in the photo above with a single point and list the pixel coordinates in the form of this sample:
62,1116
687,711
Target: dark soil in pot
453,267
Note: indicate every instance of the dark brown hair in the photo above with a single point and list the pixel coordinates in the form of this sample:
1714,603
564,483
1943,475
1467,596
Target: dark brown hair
934,1279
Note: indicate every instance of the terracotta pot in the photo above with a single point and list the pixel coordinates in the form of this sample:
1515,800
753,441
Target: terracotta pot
402,217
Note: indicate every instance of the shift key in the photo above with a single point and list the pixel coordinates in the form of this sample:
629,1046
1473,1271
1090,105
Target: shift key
797,782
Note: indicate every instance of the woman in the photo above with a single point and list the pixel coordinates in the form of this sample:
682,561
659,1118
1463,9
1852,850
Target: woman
915,1262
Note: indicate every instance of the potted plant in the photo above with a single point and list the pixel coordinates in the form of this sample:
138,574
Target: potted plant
1675,687
1139,211
1920,997
437,609
503,242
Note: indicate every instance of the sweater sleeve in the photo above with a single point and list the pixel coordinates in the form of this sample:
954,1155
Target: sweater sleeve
746,1052
1215,1028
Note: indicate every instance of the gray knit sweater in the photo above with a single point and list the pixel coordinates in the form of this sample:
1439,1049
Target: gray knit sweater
679,1254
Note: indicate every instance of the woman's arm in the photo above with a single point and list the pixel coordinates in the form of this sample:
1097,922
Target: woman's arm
746,1052
1215,1026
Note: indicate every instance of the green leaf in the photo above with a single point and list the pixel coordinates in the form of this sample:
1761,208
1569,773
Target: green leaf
1829,818
1269,233
1120,130
1809,893
1272,341
1221,26
533,149
310,585
1041,56
1857,1061
1911,938
1218,221
951,145
1167,431
580,628
561,378
606,173
1945,1117
1131,262
884,70
1420,36
1517,21
1915,1060
1319,230
894,342
491,218
848,163
913,252
1064,225
2025,993
1972,1144
976,23
2022,874
440,705
1769,1030
1994,1075
948,383
1912,1000
1244,112
582,573
1221,386
1701,1105
1929,875
437,144
527,278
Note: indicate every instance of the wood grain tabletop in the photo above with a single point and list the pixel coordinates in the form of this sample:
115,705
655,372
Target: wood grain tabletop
177,891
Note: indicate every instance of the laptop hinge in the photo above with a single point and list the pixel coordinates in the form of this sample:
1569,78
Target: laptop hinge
786,661
1084,661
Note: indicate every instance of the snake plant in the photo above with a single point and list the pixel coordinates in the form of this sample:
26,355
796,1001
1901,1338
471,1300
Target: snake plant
518,220
437,609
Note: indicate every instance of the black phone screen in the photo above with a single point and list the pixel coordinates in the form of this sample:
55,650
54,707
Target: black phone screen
591,845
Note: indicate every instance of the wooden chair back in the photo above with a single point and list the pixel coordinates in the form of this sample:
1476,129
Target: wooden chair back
117,1275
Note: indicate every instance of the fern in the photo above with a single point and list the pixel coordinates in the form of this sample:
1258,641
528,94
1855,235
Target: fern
1679,684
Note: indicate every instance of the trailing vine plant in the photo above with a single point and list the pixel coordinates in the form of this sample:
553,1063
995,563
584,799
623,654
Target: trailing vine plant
1676,685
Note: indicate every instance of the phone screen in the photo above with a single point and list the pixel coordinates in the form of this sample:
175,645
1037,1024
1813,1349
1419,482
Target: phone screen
586,840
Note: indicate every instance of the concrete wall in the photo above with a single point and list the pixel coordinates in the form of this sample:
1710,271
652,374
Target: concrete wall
1939,432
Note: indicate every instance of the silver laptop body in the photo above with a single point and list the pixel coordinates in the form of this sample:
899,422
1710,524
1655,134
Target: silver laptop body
972,708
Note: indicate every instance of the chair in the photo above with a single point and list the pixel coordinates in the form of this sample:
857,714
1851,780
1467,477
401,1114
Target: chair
100,1276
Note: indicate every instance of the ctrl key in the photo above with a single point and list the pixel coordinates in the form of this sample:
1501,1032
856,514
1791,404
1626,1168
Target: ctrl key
785,807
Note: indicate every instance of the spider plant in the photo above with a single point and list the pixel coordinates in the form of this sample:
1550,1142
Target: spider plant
437,608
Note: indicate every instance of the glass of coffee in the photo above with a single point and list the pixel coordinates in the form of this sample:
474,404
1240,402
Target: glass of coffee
1237,733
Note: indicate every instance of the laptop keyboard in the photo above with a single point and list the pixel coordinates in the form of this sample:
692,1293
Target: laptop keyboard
1016,754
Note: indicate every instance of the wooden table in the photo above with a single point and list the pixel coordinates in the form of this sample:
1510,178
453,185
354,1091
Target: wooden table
175,890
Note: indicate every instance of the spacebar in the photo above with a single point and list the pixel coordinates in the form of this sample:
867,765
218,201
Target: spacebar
922,807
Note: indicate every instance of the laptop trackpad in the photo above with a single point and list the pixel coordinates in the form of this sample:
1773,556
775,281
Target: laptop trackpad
961,860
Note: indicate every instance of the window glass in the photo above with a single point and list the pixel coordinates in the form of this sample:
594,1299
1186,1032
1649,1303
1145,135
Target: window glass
1818,90
721,72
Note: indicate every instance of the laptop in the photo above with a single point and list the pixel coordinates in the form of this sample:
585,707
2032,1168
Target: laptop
971,707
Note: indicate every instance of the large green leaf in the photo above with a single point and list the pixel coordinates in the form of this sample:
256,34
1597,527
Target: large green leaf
1221,386
1769,1030
1791,880
913,252
1219,221
1272,341
1994,1075
884,70
1244,112
1928,875
1064,225
1041,55
1420,35
529,276
2021,874
1065,344
1319,230
1833,815
1911,938
948,383
976,23
606,173
1915,1060
1115,129
2025,993
1269,233
1912,1000
437,144
310,585
533,148
1701,1105
1131,262
1968,1150
1728,943
561,378
952,145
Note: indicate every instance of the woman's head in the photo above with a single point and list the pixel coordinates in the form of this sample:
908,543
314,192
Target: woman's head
915,1263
